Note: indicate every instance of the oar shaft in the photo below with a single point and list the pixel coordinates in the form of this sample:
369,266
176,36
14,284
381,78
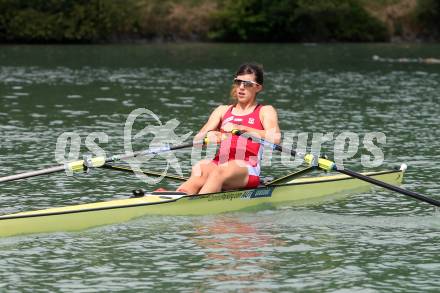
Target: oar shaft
151,151
152,173
98,161
267,143
32,173
329,165
389,186
308,158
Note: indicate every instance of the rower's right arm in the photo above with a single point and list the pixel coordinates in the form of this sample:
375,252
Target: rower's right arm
213,122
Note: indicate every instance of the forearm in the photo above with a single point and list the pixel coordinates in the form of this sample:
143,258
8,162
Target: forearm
205,132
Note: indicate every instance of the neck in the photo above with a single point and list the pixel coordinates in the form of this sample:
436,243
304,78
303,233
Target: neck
246,106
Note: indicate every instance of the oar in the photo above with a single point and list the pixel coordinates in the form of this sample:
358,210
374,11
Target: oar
151,173
291,176
97,162
328,165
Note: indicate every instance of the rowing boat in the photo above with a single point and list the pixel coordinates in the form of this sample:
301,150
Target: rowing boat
284,191
288,189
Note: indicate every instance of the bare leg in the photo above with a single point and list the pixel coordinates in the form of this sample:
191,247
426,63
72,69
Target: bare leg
198,177
230,175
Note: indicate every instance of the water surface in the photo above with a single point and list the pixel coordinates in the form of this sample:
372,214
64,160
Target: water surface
372,241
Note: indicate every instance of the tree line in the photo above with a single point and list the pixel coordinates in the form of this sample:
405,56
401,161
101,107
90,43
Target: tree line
95,21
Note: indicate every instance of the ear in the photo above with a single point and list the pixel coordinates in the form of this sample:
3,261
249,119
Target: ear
259,88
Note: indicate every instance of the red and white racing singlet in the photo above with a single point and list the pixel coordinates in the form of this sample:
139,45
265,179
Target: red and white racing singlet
240,148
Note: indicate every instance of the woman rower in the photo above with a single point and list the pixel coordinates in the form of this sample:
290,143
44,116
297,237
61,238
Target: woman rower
237,163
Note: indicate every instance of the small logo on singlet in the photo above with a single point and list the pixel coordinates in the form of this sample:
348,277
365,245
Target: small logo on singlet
229,119
251,121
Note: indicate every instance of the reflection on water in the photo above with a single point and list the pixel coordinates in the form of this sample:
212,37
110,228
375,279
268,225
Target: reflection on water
291,249
371,241
234,249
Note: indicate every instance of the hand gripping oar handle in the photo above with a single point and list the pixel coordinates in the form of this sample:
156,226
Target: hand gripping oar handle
328,165
96,162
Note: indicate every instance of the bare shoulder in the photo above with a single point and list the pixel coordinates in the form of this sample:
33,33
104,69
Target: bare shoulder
220,110
268,110
268,115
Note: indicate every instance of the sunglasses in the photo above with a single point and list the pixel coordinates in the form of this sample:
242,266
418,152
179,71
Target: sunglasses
246,83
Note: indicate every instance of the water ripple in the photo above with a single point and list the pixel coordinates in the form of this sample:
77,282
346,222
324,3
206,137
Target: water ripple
369,242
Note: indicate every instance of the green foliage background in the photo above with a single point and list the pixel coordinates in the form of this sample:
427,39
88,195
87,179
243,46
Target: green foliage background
428,16
78,21
296,20
64,20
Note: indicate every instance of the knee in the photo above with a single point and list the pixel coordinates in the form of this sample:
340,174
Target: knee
199,169
196,170
218,173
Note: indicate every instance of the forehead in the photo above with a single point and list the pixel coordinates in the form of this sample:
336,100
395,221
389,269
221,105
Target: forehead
250,76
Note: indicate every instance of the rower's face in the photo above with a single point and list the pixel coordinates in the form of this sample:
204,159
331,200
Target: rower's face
246,87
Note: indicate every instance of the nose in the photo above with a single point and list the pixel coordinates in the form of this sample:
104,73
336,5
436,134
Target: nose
241,85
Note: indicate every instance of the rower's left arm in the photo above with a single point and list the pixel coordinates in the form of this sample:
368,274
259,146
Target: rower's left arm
269,119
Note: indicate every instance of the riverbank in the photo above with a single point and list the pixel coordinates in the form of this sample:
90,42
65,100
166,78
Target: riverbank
136,21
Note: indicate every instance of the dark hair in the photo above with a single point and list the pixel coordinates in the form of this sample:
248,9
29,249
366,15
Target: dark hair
251,68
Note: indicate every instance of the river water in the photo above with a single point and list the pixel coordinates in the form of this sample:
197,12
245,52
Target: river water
376,241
